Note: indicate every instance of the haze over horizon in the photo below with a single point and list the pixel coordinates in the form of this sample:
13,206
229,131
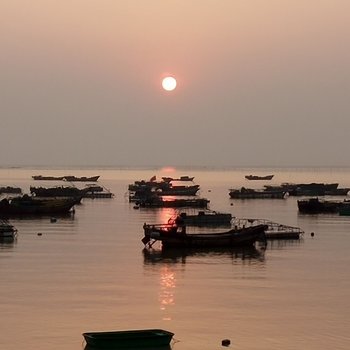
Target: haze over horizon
259,83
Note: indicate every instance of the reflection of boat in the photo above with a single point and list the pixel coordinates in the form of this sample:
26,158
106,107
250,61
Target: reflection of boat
314,206
27,205
249,193
176,255
129,338
203,218
7,231
274,230
174,236
256,177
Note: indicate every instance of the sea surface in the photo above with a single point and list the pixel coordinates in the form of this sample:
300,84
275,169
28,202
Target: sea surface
89,271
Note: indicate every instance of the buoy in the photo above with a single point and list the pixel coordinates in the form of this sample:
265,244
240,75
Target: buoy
312,234
53,219
136,207
231,204
225,342
209,190
40,234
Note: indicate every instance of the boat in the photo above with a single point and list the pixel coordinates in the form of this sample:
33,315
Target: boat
175,236
29,205
82,178
344,208
47,178
164,202
10,189
274,231
315,206
128,339
203,218
7,231
248,193
256,177
59,191
181,178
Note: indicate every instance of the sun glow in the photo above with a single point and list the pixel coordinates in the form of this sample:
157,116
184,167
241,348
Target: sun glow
169,83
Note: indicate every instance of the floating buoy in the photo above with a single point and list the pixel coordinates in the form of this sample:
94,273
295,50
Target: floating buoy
231,204
209,190
40,234
225,342
53,219
312,234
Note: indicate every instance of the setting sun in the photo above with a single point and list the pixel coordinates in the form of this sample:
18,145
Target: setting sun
169,83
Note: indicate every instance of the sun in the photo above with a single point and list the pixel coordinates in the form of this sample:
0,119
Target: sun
169,83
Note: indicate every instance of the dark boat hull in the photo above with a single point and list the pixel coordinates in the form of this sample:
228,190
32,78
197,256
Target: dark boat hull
255,177
128,339
252,194
174,237
314,206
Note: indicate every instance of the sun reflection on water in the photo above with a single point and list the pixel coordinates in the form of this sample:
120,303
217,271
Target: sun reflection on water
167,289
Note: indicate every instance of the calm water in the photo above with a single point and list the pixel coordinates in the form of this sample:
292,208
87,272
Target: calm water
89,272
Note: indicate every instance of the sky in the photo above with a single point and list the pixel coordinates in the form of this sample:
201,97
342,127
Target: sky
259,83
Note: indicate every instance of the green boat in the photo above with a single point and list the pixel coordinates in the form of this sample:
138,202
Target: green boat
128,339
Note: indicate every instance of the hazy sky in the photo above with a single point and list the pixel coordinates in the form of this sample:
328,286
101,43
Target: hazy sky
260,82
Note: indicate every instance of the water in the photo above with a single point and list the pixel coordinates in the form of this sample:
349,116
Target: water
89,272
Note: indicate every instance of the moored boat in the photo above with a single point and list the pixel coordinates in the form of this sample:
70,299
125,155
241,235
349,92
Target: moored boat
7,231
47,178
82,178
256,177
29,205
204,218
128,339
175,236
10,189
59,191
315,206
248,193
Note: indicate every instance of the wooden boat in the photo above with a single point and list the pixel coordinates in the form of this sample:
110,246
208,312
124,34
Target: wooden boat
248,193
175,236
82,178
204,218
128,339
256,177
315,206
28,205
181,178
10,189
164,202
47,178
7,231
59,191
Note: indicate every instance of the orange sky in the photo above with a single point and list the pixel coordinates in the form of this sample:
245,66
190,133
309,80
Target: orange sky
272,72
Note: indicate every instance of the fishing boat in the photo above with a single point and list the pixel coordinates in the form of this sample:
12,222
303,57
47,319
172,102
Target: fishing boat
249,193
82,178
10,189
59,191
181,178
7,231
128,339
203,218
175,236
316,206
256,177
29,205
47,178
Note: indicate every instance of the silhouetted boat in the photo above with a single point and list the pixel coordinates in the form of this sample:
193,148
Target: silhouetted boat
203,218
47,178
256,177
81,179
148,338
59,191
314,206
310,189
181,178
164,202
7,231
248,193
28,205
174,236
344,208
10,189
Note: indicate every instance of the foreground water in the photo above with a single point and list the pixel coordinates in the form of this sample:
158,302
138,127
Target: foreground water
89,272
